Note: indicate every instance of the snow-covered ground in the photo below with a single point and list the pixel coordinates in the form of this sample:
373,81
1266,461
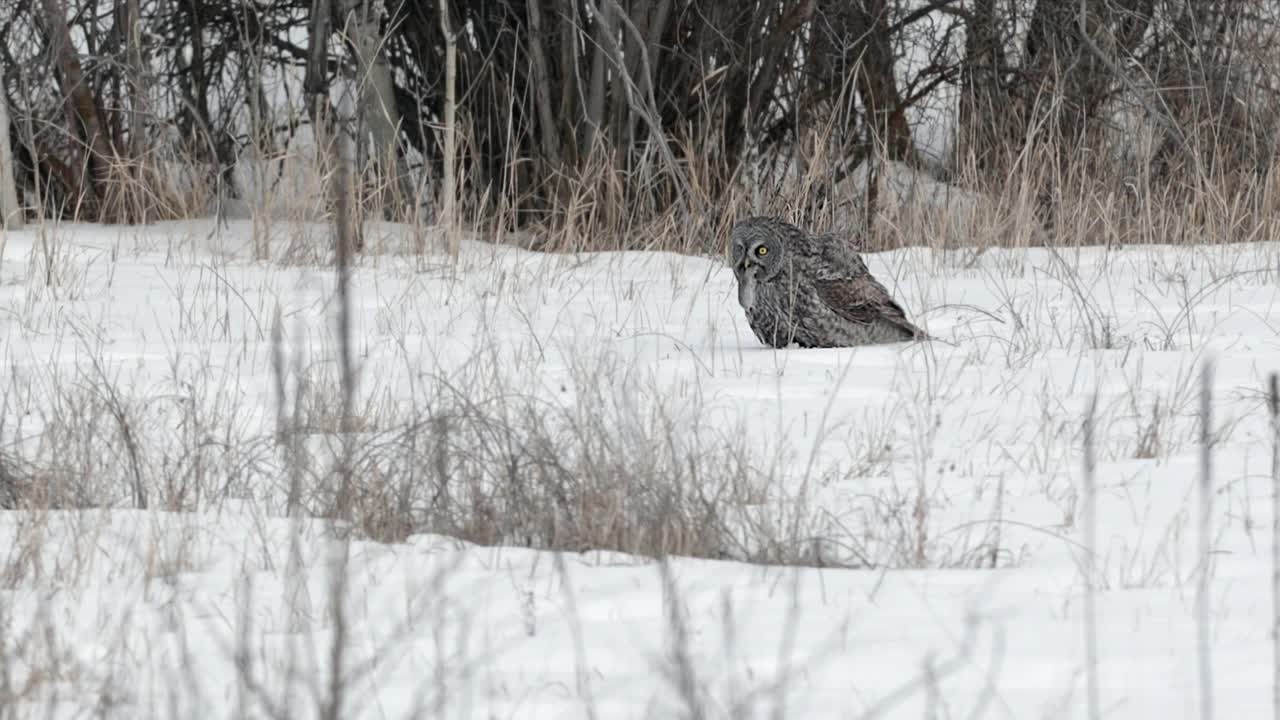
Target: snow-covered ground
941,484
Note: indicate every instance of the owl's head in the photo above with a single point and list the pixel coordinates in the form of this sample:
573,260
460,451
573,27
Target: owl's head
758,248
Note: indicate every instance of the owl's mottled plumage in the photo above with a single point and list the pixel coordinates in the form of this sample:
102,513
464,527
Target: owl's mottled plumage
811,290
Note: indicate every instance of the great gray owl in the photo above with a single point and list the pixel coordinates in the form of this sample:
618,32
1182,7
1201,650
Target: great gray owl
813,290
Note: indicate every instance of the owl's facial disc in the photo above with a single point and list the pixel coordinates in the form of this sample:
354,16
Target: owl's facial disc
755,257
763,258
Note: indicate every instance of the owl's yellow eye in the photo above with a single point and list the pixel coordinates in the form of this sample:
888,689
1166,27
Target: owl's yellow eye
762,251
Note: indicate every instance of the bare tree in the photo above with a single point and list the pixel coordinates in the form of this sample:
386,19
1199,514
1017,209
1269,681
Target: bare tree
626,111
137,105
984,126
82,112
329,156
378,109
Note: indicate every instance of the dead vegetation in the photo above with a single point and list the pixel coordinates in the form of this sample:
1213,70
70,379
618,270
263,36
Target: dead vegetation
610,124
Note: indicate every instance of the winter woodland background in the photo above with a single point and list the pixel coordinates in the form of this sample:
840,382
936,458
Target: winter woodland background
601,122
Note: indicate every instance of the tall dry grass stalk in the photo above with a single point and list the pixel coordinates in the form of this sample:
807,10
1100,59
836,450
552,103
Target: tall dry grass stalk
1046,195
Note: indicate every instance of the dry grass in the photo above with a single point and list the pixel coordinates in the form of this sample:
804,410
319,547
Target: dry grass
613,466
1039,202
483,461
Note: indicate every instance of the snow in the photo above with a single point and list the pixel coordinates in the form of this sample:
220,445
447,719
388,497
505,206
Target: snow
925,461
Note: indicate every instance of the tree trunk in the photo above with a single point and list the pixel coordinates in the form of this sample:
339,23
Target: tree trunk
552,164
328,153
1199,66
82,111
316,81
259,133
541,86
377,97
10,213
137,113
984,108
876,83
450,191
571,86
851,55
619,117
655,28
1063,71
604,32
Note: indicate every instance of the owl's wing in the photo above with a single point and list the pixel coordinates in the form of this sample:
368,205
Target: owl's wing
846,285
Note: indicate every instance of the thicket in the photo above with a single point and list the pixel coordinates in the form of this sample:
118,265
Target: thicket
599,118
